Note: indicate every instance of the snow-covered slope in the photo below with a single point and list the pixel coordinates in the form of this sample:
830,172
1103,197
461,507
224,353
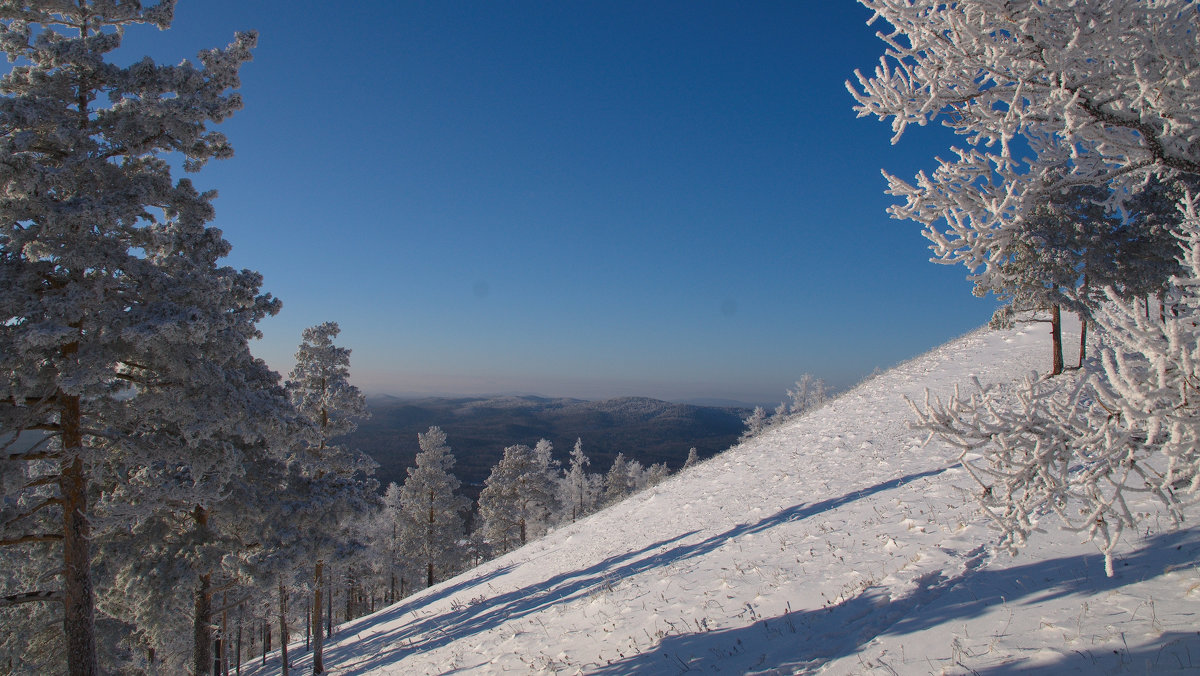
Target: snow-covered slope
834,544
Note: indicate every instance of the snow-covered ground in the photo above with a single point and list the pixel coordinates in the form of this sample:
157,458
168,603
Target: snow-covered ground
836,543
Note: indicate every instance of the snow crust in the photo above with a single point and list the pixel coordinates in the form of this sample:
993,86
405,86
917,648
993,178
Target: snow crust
835,544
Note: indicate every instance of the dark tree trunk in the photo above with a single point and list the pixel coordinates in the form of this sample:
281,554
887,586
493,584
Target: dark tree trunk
237,655
318,644
1083,323
202,640
283,630
1056,336
78,615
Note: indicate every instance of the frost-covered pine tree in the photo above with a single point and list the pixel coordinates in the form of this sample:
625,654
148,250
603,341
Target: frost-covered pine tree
389,538
579,490
113,296
1099,94
1080,447
692,458
205,532
431,509
338,477
755,423
621,481
809,393
517,499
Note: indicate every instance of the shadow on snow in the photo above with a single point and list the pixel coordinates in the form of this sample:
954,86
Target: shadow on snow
426,630
811,638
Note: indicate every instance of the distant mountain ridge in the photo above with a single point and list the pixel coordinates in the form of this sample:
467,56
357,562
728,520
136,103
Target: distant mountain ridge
479,428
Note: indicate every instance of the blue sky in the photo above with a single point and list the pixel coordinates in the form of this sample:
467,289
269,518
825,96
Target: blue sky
670,199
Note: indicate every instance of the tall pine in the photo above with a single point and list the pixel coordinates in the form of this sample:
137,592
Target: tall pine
431,509
117,317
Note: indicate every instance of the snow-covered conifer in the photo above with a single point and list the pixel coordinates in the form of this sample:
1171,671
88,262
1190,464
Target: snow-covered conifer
809,393
431,509
755,423
621,481
114,302
338,477
516,499
579,489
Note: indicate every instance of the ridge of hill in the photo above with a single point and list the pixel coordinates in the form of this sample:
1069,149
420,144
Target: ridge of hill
479,428
836,543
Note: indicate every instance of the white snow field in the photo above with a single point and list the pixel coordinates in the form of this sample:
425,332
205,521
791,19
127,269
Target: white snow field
834,544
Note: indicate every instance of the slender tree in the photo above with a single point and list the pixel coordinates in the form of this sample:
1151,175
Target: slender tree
112,293
431,509
320,389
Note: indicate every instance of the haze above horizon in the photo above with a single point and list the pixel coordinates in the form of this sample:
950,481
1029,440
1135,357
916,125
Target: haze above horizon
587,200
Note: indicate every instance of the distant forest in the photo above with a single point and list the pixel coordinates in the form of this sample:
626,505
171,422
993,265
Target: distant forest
478,430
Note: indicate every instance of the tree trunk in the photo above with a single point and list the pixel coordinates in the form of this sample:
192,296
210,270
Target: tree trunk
78,615
237,655
1083,322
224,637
283,630
318,643
1056,336
202,642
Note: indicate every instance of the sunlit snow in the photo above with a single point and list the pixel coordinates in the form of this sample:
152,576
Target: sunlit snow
834,544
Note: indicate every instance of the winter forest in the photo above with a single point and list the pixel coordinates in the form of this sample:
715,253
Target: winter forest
171,505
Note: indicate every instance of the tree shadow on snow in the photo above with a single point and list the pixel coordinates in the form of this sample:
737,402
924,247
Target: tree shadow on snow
1172,652
483,610
802,640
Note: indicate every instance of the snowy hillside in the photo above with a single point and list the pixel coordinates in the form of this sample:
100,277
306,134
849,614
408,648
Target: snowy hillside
835,544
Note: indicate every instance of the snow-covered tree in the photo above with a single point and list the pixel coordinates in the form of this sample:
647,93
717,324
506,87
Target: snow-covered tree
431,509
1070,249
1050,97
389,531
809,393
755,423
1046,96
621,480
692,458
517,499
1079,447
656,474
339,477
117,317
579,490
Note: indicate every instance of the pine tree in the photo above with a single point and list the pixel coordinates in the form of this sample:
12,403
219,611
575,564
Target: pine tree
579,490
431,510
1099,95
755,423
621,480
118,317
516,499
320,389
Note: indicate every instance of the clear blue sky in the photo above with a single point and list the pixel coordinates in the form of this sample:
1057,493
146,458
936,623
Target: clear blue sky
671,199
